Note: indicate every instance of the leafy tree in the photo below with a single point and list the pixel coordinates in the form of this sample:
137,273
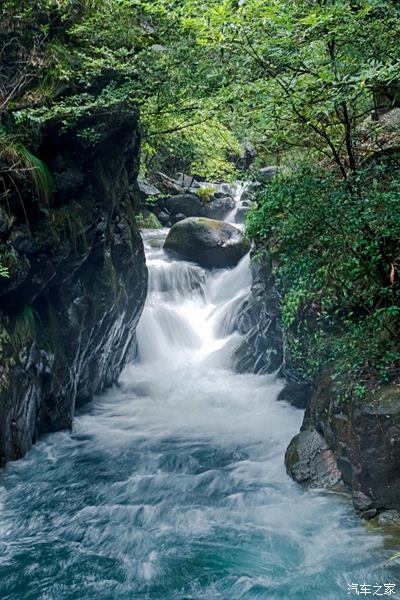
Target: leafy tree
303,74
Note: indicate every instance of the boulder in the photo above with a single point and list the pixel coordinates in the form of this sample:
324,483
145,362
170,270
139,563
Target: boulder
389,517
296,393
310,461
207,242
364,435
265,174
187,204
164,218
177,218
219,207
148,220
180,185
147,192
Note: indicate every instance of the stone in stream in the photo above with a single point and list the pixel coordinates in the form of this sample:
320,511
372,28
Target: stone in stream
389,517
187,204
207,242
296,393
219,206
364,435
310,461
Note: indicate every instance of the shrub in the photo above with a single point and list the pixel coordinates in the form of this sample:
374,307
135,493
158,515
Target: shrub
337,248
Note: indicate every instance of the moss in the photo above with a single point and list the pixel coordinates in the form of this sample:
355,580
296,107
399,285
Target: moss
205,193
68,226
149,222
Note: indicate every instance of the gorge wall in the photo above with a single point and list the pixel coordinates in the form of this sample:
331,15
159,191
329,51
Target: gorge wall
78,278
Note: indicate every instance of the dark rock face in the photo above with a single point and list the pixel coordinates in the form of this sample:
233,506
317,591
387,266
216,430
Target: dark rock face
261,349
78,281
364,437
205,241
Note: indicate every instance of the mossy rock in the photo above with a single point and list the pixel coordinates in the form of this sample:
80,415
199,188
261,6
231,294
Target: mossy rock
208,242
149,222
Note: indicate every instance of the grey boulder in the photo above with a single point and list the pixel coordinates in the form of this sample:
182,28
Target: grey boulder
207,242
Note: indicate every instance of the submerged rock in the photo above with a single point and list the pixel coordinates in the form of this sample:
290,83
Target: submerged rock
207,242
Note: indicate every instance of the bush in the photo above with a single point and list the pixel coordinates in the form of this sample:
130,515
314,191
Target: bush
337,248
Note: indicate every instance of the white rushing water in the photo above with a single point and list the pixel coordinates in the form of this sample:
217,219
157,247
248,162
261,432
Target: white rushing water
172,485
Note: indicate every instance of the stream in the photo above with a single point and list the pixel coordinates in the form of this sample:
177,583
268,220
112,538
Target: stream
172,485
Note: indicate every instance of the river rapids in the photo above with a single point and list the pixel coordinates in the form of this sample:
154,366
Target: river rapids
172,484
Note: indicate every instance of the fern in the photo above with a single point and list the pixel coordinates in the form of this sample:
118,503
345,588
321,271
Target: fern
39,172
19,159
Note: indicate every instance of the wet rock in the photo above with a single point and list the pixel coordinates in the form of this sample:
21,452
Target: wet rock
296,393
178,217
364,435
362,502
261,348
187,204
389,517
164,218
149,221
77,283
208,242
219,207
310,461
367,515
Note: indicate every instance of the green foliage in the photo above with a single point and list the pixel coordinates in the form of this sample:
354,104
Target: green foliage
337,250
149,222
16,160
298,79
205,193
300,75
4,272
23,327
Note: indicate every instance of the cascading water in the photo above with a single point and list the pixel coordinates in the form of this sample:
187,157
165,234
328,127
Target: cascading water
172,485
237,190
